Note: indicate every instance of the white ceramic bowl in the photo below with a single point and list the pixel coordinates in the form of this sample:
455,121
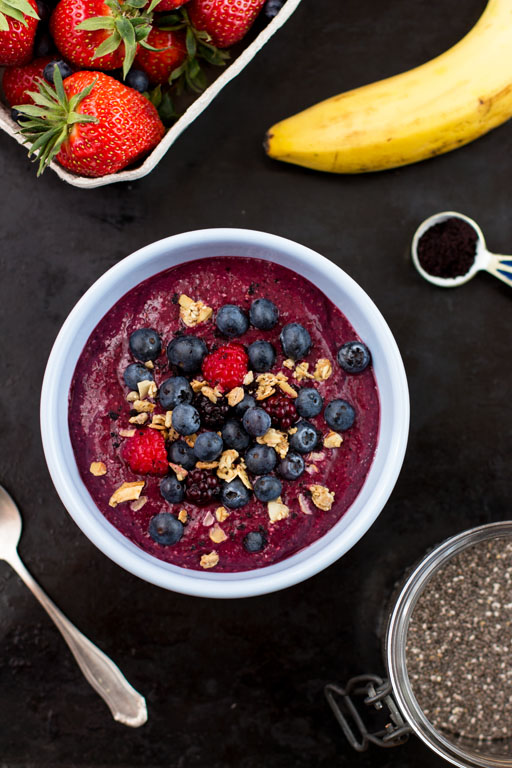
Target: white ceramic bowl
367,321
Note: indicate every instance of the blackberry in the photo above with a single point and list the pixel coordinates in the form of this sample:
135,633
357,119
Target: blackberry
281,410
213,415
202,487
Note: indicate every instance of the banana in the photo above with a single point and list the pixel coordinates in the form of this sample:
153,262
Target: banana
439,106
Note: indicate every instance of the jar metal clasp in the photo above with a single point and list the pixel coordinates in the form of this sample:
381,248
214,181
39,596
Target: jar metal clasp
375,692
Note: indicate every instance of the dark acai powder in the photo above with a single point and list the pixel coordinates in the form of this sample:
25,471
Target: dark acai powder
448,249
459,644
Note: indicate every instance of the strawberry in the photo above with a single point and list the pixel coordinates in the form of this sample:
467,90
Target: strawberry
18,23
145,453
91,124
18,80
227,366
104,34
170,5
159,64
226,21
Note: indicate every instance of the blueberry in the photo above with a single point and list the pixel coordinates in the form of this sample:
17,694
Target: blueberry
295,341
232,321
254,541
187,353
263,314
292,466
134,373
354,356
267,488
138,80
272,8
165,529
305,439
145,344
262,355
309,402
339,415
235,436
185,419
256,422
171,489
208,446
43,45
174,391
18,116
183,454
261,459
244,405
64,69
234,494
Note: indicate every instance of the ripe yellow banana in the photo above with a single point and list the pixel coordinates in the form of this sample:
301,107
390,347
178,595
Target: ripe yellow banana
437,107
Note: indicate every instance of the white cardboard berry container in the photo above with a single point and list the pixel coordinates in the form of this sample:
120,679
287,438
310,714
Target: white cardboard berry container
193,111
368,323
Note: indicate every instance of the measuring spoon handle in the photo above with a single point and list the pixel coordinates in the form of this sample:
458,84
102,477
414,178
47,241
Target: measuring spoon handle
500,267
125,703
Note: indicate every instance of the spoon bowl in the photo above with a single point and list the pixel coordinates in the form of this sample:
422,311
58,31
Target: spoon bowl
10,525
499,266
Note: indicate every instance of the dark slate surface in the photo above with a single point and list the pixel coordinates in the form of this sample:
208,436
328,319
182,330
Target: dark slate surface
240,683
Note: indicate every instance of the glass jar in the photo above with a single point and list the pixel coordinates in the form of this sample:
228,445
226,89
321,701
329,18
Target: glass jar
394,697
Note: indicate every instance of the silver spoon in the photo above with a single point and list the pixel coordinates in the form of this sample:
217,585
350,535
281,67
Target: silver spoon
497,265
127,706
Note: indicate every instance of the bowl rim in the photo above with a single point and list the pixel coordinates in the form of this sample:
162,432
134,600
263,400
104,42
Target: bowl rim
299,566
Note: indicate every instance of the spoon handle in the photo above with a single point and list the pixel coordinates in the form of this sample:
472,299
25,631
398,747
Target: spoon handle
125,703
500,267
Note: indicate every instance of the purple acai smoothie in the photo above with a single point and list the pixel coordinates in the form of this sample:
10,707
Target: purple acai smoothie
106,418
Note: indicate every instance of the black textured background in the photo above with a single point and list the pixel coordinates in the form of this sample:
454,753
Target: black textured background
240,683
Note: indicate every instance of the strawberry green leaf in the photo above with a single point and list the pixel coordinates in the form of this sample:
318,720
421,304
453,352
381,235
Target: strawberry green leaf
155,96
166,109
191,42
109,45
97,22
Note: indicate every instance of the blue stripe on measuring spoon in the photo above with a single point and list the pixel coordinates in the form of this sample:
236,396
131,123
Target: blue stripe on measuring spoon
505,274
506,263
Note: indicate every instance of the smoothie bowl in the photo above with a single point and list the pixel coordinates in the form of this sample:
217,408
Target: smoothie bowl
224,413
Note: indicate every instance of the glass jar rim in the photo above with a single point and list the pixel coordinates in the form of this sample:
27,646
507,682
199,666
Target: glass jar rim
396,638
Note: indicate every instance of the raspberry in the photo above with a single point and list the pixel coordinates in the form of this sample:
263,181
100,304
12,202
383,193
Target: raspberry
213,415
226,366
281,410
202,487
145,453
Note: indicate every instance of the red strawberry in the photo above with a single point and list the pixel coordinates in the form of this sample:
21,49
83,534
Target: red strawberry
226,21
226,366
91,124
170,5
158,65
145,453
18,23
18,80
92,33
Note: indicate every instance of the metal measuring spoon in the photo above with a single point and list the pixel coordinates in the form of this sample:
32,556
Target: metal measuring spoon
127,706
499,266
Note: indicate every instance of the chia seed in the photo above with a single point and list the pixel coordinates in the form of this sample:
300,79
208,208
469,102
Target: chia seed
459,644
448,249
